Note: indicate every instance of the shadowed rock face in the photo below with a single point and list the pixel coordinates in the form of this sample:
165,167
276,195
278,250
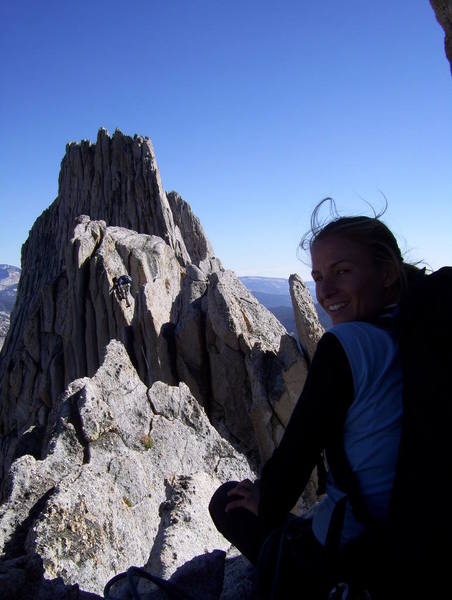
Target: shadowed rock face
178,324
443,12
115,180
185,318
118,413
201,252
257,371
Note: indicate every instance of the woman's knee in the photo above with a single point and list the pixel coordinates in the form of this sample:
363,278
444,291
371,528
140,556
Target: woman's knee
218,502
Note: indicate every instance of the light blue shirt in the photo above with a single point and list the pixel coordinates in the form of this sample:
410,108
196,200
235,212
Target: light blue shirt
372,425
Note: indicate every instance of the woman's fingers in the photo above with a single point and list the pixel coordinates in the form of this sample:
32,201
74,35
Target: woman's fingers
241,488
240,503
246,495
245,489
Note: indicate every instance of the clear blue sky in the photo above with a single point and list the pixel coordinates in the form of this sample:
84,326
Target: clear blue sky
256,109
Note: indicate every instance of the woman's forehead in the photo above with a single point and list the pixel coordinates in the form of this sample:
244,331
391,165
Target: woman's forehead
333,248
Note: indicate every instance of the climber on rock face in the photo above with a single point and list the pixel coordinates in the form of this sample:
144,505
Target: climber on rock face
121,285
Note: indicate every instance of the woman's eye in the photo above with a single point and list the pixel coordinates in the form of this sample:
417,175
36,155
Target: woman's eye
342,271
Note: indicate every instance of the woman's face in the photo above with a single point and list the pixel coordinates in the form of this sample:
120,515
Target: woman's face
349,285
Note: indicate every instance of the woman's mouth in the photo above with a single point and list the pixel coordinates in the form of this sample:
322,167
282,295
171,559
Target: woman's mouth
335,307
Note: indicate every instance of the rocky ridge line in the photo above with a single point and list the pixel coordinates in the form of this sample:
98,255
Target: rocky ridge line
103,395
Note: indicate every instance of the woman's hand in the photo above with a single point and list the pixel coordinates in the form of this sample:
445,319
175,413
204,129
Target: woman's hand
248,496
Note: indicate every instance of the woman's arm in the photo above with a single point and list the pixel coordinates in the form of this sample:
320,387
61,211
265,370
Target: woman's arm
316,421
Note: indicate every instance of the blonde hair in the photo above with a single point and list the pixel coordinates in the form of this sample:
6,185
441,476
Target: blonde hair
369,232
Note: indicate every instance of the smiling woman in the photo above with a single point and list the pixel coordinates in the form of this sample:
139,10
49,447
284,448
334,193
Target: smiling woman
350,285
357,265
350,406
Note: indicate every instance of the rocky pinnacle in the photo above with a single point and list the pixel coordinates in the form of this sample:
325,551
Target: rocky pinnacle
121,413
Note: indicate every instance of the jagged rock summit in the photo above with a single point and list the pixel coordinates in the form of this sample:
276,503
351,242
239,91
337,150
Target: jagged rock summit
115,180
121,411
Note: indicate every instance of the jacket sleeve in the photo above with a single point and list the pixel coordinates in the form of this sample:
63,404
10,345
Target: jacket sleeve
317,421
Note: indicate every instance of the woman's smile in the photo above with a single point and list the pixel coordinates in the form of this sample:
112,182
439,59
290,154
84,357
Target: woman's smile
349,285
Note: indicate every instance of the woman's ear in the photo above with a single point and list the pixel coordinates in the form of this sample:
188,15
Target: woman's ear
390,275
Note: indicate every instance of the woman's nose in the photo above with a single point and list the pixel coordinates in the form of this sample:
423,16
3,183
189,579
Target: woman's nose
326,288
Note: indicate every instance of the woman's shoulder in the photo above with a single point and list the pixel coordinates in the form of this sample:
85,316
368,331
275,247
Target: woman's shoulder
371,350
356,328
363,336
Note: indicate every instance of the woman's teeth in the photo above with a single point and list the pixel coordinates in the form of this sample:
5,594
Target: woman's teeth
334,307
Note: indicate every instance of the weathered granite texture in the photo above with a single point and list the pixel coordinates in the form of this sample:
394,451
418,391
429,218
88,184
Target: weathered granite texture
178,325
115,180
125,478
308,325
182,323
120,416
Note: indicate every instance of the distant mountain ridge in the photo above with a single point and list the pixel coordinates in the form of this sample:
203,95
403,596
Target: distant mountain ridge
9,278
276,285
274,294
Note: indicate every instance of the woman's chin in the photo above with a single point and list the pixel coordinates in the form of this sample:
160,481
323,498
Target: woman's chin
336,319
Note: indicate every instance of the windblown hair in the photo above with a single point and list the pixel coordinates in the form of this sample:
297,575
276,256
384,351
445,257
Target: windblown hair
369,232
